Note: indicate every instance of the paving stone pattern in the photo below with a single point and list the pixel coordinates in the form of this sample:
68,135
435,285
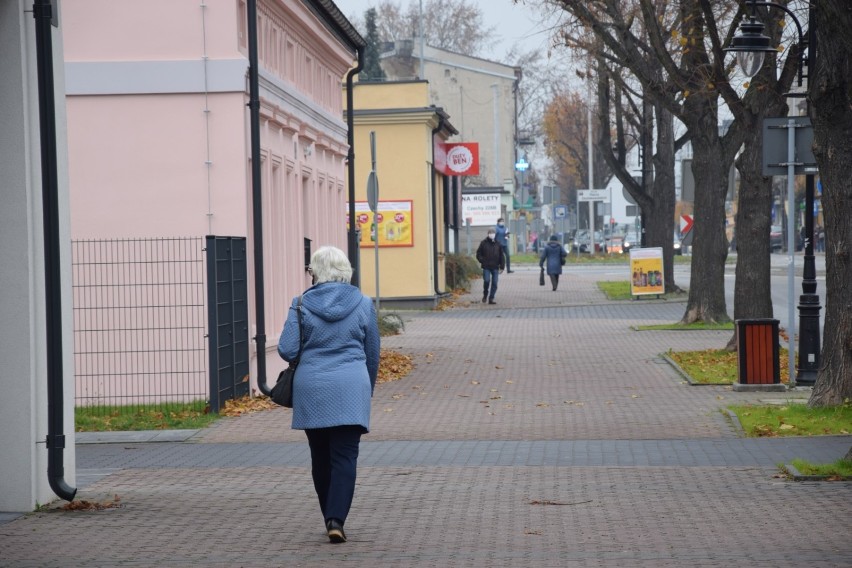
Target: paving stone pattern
542,431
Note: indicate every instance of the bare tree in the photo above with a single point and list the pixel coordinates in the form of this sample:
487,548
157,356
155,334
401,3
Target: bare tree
654,194
454,25
683,38
830,95
565,129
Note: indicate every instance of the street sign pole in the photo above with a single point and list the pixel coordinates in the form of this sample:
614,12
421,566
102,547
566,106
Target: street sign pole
373,201
791,248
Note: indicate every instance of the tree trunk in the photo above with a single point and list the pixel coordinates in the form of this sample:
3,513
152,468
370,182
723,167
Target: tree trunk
831,111
752,287
660,228
706,300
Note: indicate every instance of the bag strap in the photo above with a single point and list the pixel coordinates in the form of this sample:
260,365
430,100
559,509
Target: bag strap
299,319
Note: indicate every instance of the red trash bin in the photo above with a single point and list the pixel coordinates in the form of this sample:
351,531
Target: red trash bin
758,352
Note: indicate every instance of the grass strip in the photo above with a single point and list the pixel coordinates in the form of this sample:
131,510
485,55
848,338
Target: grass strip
768,421
840,468
717,366
615,289
696,325
166,416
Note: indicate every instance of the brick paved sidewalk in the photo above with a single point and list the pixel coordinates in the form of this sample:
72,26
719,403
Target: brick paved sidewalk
540,365
542,431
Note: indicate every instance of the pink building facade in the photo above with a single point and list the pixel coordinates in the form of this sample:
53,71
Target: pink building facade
159,132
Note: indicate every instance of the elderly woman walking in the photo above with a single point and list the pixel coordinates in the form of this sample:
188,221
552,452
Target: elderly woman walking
334,380
554,254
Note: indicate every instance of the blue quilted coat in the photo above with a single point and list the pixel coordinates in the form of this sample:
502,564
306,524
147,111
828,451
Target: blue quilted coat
552,253
337,371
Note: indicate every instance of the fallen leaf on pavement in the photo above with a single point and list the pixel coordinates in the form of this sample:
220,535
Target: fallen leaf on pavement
83,505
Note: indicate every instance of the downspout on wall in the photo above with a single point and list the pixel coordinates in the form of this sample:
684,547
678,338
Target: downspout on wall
435,228
353,252
257,199
43,14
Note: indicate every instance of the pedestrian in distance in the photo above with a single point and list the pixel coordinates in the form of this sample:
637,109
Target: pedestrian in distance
490,256
503,233
553,253
334,379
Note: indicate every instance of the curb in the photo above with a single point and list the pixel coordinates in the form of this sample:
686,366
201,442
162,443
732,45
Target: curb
735,422
134,436
772,387
796,475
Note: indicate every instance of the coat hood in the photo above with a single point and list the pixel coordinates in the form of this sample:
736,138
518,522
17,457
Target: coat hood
332,301
554,244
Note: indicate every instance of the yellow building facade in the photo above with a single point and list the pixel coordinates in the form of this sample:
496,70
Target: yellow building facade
418,208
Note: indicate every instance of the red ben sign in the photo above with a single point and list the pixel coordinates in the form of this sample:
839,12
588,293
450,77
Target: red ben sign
457,159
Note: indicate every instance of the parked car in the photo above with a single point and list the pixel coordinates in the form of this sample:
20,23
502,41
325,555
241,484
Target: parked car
582,242
631,240
776,238
678,245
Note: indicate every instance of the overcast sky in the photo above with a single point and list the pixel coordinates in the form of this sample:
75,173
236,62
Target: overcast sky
514,23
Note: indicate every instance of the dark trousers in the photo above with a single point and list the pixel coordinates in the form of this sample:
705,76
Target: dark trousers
334,458
489,282
506,254
554,280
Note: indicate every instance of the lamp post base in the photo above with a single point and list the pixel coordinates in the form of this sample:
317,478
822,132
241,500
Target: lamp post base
809,340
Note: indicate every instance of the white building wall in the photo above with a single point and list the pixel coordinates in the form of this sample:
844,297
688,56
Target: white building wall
23,373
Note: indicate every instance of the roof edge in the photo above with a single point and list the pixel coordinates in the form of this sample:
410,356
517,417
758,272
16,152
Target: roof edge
331,15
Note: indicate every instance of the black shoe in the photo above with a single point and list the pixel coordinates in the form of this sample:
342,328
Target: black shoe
335,531
484,298
491,301
510,272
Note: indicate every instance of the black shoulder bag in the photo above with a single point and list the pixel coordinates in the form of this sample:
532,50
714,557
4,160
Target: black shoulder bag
282,392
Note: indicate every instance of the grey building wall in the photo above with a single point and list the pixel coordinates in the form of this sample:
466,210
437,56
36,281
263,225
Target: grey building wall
23,367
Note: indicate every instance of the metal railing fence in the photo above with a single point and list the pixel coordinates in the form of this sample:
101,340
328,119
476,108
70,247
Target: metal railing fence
139,322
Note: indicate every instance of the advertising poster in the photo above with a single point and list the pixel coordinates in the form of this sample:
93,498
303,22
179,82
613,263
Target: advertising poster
393,223
646,271
457,159
483,209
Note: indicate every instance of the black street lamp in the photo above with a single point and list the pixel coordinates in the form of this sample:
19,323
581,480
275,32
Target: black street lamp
751,45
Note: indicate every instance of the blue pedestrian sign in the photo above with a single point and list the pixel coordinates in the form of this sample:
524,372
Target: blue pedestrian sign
560,211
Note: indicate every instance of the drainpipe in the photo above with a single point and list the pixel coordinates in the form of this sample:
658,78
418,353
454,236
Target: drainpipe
354,257
435,207
43,13
256,199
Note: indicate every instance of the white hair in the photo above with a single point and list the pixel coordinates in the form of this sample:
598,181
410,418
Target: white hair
329,264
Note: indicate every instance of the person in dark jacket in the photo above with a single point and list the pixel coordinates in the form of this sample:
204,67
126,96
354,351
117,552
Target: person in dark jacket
503,233
554,254
334,380
490,256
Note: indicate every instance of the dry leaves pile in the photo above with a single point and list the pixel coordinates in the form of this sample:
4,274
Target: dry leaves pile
449,302
246,405
83,505
393,366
